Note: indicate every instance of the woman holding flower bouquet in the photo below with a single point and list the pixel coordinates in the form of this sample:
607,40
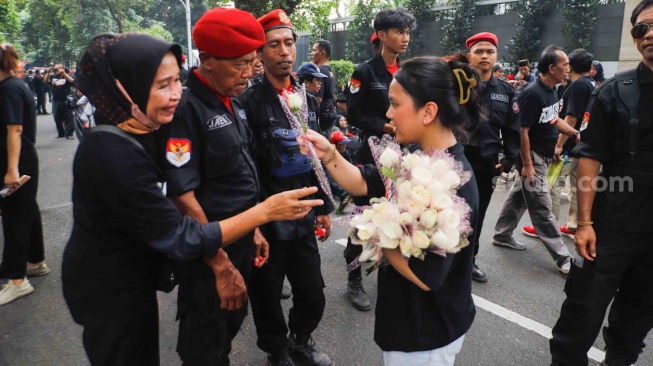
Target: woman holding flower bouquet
424,305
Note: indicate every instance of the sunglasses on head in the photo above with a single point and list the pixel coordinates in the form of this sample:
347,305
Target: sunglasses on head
640,30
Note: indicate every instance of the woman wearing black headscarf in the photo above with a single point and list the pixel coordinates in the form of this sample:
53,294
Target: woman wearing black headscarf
124,225
596,72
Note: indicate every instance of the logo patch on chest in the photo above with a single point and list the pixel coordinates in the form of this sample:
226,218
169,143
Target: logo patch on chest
242,114
218,122
178,151
378,86
354,86
499,97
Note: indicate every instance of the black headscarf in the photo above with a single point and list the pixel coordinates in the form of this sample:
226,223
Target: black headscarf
131,58
600,78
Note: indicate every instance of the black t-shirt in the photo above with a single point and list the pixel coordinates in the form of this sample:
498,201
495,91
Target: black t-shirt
17,108
574,103
409,319
326,92
60,88
538,107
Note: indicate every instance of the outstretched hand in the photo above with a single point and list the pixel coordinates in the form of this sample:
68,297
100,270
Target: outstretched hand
289,206
322,146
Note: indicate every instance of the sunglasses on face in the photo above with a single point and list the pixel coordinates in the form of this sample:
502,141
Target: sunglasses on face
640,30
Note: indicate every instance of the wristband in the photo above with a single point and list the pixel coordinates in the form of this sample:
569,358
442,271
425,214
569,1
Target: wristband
584,223
333,156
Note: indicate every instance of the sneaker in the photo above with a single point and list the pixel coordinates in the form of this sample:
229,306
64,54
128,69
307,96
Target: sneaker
478,275
565,266
529,231
512,244
41,270
303,352
3,284
357,295
13,291
71,137
567,232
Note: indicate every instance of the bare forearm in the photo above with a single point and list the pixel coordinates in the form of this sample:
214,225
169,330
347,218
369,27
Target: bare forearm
588,170
13,149
564,128
346,174
397,260
525,148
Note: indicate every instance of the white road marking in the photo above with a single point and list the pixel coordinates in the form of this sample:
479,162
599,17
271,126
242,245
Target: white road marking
527,323
56,206
522,321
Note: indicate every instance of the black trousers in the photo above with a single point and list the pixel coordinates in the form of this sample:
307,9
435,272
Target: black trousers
40,103
485,174
299,260
21,220
121,326
621,271
206,330
63,118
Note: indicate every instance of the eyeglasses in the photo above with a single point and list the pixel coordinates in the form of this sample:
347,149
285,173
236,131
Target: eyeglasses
640,30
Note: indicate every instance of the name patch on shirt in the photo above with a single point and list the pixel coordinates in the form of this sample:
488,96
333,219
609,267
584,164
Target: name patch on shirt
550,114
218,122
499,97
378,86
178,151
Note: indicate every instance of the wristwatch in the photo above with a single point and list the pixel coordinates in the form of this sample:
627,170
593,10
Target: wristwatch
576,133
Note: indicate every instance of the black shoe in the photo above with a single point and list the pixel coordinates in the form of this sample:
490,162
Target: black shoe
344,202
478,275
357,295
59,137
280,359
45,113
303,352
286,291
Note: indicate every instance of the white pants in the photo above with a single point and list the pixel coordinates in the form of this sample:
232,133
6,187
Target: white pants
444,356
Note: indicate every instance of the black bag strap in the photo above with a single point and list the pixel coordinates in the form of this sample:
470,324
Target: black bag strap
628,89
116,131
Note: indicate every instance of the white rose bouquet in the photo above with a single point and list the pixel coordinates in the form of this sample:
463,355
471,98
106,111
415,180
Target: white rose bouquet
421,212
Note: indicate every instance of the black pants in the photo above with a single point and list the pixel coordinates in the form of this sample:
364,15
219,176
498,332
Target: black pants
206,330
21,220
63,118
121,326
299,259
621,270
40,103
485,174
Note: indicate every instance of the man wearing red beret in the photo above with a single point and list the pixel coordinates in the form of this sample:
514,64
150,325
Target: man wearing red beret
211,176
485,142
293,246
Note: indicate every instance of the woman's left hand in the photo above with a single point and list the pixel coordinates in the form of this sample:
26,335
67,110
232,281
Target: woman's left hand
12,179
322,146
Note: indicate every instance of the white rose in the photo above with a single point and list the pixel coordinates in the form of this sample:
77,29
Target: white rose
424,161
406,245
365,231
441,201
386,242
404,188
439,167
448,219
416,252
450,179
421,176
368,214
415,209
453,238
420,196
410,161
428,218
440,240
421,240
406,218
389,158
392,230
295,101
436,187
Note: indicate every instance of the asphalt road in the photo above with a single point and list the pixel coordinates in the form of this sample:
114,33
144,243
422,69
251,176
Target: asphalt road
38,329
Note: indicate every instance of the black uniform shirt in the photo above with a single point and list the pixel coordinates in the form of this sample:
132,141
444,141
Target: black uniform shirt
604,138
496,101
538,108
256,101
574,103
61,87
17,107
326,91
409,319
367,102
207,151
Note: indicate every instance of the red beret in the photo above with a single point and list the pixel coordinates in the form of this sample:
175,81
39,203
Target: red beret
374,37
275,19
228,33
480,37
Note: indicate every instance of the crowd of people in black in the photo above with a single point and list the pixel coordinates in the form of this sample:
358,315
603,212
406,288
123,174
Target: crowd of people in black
236,217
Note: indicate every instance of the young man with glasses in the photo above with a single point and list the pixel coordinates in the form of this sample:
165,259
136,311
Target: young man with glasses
614,236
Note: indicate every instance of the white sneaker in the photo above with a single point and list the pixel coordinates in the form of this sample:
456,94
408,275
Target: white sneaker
13,291
3,284
40,270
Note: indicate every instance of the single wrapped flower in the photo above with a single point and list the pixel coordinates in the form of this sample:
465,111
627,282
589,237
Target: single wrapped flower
421,176
420,239
295,101
428,218
441,201
448,219
389,158
420,195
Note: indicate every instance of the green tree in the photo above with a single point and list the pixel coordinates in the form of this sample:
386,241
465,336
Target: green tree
313,16
262,7
458,29
580,17
9,24
423,13
360,31
533,14
342,70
